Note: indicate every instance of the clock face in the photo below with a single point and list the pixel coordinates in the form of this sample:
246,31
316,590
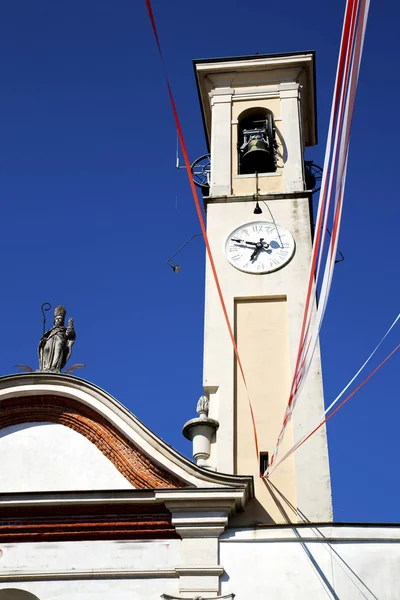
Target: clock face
259,247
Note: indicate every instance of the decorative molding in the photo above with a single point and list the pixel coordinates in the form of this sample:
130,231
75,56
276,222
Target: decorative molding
202,570
130,461
94,574
318,533
270,197
222,91
260,175
236,122
198,520
183,499
221,99
117,514
285,86
168,597
257,94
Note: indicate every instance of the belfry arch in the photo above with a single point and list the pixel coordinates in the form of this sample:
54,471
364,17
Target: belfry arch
256,141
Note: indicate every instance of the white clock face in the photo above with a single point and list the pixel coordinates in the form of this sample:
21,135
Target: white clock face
259,247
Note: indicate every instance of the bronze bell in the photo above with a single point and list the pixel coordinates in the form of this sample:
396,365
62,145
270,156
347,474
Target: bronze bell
256,158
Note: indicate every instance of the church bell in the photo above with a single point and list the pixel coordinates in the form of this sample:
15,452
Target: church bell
256,158
257,145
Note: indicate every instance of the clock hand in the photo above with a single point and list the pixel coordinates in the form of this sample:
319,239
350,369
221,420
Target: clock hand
255,253
243,242
253,256
261,245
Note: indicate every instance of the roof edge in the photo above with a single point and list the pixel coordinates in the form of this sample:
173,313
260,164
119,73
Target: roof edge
252,57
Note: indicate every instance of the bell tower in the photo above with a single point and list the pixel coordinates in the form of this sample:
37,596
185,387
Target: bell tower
259,114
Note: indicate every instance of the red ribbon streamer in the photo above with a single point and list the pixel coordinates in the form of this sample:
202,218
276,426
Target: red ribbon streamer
341,404
341,89
348,32
201,219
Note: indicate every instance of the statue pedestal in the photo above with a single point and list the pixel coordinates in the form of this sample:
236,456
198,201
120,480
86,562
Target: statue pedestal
200,431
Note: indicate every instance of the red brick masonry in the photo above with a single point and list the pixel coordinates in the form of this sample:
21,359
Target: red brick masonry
85,522
138,469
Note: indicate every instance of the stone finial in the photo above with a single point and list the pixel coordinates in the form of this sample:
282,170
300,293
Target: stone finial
202,407
200,431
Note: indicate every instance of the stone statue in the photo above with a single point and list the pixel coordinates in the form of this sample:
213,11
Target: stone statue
56,344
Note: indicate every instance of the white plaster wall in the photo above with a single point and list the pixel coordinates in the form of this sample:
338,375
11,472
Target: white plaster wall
112,556
351,563
51,457
94,589
338,562
109,570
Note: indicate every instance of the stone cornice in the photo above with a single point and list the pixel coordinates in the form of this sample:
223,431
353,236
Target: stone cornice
184,498
125,514
266,197
238,74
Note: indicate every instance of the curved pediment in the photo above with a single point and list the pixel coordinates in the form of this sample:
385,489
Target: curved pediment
143,459
127,458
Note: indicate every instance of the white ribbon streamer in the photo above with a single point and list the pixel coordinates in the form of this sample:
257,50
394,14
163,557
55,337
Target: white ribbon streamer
336,400
338,156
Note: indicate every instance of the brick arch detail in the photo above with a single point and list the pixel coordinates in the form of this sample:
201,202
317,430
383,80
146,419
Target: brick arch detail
134,465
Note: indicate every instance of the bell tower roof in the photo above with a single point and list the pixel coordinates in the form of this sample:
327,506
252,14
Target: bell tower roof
249,74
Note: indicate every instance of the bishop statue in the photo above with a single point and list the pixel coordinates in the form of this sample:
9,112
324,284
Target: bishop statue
56,344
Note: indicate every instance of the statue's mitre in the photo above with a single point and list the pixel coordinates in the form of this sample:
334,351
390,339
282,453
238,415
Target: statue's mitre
60,311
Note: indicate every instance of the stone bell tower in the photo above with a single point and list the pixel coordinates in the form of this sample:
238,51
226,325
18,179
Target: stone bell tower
259,115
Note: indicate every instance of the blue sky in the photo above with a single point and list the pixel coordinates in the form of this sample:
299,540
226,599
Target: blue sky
92,207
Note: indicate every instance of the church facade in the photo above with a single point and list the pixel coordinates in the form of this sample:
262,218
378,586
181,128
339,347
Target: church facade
94,505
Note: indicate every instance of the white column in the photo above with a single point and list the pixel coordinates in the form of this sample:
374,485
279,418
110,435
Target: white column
291,130
221,103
